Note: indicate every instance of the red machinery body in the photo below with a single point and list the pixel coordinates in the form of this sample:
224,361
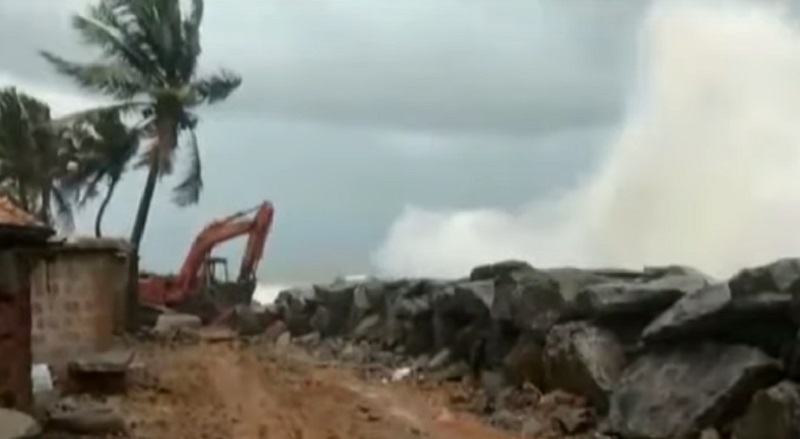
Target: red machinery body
197,275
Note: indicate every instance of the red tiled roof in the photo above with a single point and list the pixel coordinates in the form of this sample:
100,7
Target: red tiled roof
12,215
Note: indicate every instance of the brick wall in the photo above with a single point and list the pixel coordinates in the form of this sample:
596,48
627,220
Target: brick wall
77,301
15,332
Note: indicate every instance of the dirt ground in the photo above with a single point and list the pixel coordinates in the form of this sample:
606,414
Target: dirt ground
223,391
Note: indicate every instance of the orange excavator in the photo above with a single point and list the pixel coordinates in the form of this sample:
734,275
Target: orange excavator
202,287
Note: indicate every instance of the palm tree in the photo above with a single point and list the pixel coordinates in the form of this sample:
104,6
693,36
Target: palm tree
107,148
149,60
35,156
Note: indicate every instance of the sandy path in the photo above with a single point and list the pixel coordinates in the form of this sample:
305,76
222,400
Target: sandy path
218,391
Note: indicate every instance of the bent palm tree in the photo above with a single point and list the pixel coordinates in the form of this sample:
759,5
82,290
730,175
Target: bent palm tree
35,157
107,149
149,56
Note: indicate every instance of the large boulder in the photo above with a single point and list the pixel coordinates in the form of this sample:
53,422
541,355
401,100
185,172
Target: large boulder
583,359
461,314
642,298
529,298
773,413
333,314
677,393
410,321
698,313
780,276
761,319
296,307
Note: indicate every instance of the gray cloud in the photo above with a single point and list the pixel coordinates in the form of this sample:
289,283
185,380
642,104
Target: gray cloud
351,110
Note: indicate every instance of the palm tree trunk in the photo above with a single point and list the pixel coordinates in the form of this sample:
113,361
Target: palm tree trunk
44,209
144,204
167,136
98,220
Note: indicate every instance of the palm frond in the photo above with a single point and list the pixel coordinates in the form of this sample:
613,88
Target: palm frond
110,79
92,114
191,49
112,27
187,192
216,87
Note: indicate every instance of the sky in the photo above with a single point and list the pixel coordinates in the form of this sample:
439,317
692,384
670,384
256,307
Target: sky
359,118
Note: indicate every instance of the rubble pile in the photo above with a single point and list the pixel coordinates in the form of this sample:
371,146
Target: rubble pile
661,353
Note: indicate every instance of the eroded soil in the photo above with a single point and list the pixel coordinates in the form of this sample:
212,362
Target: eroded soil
224,390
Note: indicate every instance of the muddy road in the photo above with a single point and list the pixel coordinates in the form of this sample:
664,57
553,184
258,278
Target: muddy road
216,391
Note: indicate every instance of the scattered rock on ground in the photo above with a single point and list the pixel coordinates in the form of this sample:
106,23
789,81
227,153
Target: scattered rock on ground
116,361
168,323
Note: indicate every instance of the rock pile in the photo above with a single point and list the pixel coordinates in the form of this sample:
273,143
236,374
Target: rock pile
661,353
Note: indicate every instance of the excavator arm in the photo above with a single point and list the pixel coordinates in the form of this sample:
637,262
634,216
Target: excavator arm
224,230
184,291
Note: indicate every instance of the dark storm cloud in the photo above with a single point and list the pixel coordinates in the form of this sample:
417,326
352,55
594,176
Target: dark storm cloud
390,102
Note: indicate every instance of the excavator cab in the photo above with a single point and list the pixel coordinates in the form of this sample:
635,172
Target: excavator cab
216,270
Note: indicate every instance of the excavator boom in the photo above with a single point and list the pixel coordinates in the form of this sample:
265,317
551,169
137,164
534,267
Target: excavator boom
191,280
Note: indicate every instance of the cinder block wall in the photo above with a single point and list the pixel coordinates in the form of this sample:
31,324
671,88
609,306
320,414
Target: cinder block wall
77,300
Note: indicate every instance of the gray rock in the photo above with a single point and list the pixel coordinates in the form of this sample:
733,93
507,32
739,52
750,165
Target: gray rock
472,298
534,427
773,413
439,360
337,302
249,320
369,328
780,276
585,360
528,298
761,319
274,331
97,420
572,420
117,361
695,313
525,363
170,323
296,307
498,270
414,299
645,298
17,425
677,393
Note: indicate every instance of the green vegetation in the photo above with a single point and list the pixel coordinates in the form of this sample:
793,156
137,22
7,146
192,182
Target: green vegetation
148,59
